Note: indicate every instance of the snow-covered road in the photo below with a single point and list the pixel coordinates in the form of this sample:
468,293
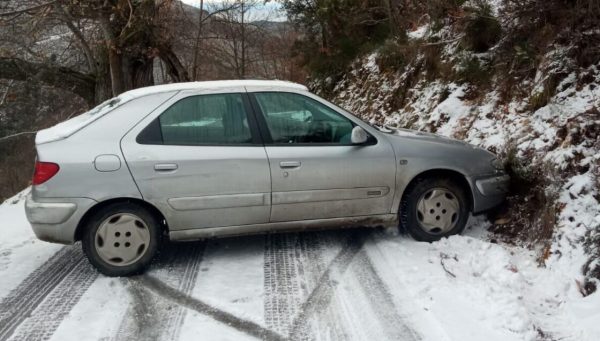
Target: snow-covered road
360,284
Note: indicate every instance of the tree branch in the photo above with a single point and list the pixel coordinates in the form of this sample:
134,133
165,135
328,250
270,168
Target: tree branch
17,134
26,10
68,20
54,76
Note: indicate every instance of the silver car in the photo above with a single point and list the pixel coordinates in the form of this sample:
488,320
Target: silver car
210,159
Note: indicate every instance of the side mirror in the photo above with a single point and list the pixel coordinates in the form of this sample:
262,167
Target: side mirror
359,135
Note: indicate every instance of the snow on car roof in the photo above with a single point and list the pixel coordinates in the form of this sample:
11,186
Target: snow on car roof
211,85
69,127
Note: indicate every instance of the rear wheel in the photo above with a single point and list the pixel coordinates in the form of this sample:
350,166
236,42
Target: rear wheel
433,208
121,239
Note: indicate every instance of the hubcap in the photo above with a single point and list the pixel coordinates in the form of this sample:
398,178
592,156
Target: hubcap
438,211
122,239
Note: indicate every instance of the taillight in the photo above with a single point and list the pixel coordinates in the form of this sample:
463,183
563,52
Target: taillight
43,172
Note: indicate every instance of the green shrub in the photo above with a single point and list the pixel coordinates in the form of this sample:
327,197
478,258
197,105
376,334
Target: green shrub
439,10
531,203
472,70
482,29
337,32
542,98
393,55
539,100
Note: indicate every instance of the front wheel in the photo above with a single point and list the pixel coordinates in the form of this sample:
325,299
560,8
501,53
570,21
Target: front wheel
121,239
434,208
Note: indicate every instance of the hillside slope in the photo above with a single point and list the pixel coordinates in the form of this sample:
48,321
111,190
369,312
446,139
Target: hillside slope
545,123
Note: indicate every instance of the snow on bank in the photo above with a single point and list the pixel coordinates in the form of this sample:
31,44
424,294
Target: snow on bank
560,137
20,251
498,291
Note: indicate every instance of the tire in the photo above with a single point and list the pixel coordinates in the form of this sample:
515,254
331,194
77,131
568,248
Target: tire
121,239
444,203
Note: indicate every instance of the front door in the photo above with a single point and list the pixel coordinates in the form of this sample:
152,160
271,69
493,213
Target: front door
316,171
200,160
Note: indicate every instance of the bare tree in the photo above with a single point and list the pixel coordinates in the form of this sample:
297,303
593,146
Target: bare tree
118,38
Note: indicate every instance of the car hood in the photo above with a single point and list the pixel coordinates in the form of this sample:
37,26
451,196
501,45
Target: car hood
435,151
424,136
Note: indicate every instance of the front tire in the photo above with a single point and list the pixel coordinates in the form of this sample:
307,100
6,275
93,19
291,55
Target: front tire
121,239
434,208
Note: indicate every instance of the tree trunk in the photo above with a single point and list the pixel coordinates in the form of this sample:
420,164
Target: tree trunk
175,69
116,72
243,27
141,72
114,58
196,64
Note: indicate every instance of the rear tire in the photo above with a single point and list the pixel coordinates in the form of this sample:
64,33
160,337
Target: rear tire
434,208
121,239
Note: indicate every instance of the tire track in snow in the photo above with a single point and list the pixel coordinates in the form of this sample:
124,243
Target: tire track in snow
188,265
299,285
39,304
321,296
222,316
283,275
322,310
327,323
145,319
381,301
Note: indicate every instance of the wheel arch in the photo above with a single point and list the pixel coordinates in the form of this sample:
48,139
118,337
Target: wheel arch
92,210
451,174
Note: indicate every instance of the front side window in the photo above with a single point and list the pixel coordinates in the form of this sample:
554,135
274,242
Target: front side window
293,118
218,119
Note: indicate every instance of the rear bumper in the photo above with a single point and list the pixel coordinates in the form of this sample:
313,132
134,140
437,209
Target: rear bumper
55,219
490,191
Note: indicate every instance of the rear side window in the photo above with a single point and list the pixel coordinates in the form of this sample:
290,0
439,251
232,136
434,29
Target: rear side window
218,119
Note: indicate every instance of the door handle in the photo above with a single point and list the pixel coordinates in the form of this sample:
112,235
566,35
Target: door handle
289,164
165,167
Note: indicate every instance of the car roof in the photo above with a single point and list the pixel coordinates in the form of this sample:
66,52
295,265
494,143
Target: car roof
69,127
210,85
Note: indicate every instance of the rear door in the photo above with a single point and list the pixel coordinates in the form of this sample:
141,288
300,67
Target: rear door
316,171
200,160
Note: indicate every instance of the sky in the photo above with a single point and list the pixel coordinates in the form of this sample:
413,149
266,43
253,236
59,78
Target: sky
270,11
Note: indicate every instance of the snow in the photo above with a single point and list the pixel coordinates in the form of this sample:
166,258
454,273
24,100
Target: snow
557,137
69,127
104,303
460,288
371,64
499,288
419,33
228,262
20,251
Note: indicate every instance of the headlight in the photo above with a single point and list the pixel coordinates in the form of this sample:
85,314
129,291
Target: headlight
497,164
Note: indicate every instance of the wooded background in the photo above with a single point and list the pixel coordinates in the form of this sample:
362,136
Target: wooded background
60,57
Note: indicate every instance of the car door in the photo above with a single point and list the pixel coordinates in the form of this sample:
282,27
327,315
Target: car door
199,159
316,172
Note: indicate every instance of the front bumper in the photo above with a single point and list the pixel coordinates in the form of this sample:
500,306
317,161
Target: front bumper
497,185
55,219
490,191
